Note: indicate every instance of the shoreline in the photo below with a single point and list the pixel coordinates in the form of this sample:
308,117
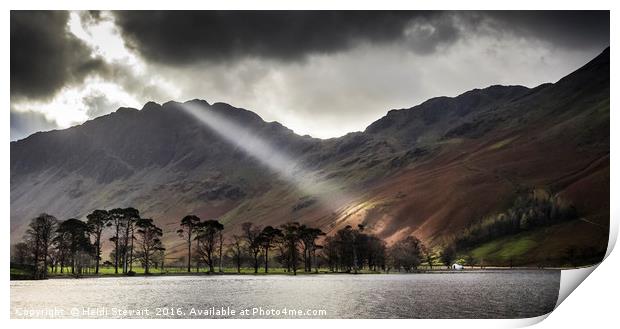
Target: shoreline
197,274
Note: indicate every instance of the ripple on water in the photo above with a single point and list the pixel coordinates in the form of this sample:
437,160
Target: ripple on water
482,294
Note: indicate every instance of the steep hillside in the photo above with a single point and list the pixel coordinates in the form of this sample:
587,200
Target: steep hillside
431,170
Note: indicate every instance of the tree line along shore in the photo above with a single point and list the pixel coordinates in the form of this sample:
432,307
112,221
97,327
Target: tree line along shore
51,247
74,247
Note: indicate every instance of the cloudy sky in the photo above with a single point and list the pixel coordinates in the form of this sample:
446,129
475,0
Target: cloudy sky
318,73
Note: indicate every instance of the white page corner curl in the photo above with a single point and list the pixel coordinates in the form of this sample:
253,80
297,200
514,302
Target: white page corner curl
570,279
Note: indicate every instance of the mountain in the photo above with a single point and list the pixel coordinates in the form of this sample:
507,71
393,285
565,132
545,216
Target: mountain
431,170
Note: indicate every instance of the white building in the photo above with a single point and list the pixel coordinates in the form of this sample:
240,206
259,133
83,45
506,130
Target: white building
456,266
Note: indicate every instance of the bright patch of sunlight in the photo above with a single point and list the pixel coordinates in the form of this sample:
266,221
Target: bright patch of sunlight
287,167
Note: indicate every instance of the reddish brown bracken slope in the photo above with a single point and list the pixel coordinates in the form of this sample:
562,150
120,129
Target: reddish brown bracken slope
430,170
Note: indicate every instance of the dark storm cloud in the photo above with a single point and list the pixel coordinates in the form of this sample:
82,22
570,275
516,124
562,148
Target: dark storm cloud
320,73
25,123
181,38
45,56
568,29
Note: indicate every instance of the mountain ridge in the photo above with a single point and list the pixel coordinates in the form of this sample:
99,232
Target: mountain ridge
429,170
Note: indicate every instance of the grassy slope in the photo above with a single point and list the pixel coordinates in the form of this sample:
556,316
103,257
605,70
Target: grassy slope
546,246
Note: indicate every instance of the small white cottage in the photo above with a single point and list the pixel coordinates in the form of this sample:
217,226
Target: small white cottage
456,266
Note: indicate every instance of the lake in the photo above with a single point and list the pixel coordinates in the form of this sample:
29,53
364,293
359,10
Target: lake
466,294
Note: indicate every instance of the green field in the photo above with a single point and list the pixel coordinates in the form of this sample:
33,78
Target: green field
109,271
555,246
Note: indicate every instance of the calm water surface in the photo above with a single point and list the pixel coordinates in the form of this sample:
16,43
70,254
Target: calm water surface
486,294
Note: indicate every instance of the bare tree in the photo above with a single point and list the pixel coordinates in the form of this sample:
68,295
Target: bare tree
207,235
189,225
291,238
266,239
20,253
130,217
236,248
406,254
39,236
252,235
116,220
149,241
97,221
221,246
308,237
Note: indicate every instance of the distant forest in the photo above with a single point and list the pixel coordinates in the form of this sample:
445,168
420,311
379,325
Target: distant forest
537,208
